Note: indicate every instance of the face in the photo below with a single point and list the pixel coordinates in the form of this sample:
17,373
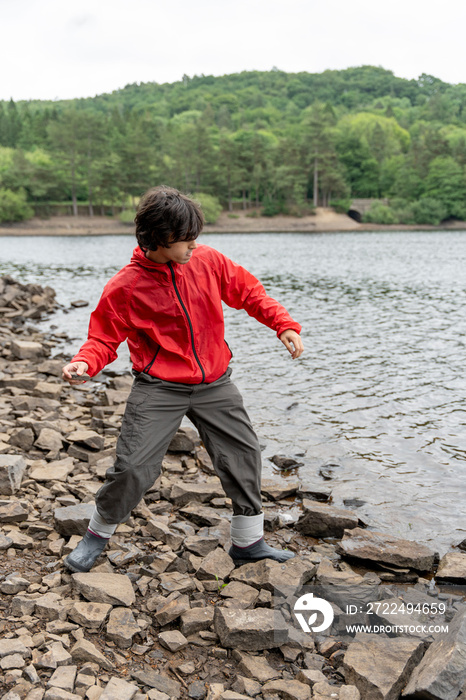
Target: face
179,252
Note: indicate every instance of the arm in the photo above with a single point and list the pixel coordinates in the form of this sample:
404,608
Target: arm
241,290
107,330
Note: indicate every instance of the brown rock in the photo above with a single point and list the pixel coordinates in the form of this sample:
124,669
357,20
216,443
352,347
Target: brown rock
452,568
12,469
114,589
250,630
323,520
379,666
12,512
381,547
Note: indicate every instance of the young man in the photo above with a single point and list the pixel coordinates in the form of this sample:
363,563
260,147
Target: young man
167,303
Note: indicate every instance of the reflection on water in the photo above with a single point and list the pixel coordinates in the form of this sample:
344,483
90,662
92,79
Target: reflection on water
380,390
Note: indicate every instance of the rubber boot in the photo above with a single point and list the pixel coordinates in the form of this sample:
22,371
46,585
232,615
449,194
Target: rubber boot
248,544
257,551
84,556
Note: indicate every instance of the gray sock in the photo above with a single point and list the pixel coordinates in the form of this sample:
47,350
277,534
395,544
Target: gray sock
99,526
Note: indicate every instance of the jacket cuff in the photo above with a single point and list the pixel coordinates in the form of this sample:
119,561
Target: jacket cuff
289,327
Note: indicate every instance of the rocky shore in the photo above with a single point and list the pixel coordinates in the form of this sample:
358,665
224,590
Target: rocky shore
165,613
324,220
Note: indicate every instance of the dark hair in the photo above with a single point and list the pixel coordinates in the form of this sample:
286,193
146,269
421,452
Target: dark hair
164,215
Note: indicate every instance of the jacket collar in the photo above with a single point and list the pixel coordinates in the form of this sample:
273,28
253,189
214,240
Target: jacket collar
139,258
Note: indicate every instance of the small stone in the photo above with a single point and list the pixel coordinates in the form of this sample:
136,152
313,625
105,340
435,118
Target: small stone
26,350
73,520
48,390
255,667
89,615
50,440
172,609
12,512
250,630
289,689
54,471
63,677
54,657
12,469
216,565
155,680
13,584
173,640
323,520
196,619
122,627
88,438
12,661
86,651
119,689
452,568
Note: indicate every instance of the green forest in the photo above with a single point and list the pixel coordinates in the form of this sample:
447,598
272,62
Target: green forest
272,141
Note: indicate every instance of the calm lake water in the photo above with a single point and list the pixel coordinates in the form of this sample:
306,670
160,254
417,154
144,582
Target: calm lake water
378,397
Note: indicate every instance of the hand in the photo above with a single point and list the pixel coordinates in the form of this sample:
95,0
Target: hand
293,343
74,368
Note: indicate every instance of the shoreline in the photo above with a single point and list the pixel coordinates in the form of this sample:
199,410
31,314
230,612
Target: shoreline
324,221
166,608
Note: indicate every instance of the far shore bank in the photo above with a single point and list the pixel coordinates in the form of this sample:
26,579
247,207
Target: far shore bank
323,221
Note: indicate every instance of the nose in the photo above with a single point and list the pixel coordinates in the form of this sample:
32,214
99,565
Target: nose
193,244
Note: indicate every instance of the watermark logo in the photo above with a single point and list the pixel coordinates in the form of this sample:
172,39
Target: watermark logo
308,603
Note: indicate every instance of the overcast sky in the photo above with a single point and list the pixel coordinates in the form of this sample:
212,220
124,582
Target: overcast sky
56,49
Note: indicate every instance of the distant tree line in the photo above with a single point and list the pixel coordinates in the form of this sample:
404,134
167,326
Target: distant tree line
283,142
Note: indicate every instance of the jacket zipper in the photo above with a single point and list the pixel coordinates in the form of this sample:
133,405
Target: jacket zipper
189,320
148,367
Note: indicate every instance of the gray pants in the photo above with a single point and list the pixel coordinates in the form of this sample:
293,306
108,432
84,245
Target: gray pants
154,411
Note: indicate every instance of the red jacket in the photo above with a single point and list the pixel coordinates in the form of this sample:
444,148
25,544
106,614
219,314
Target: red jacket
172,316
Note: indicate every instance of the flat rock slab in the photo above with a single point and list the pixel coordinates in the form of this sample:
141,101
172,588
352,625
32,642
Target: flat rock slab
382,547
452,567
86,651
294,690
73,520
49,439
274,576
250,630
14,512
442,672
114,589
343,586
119,689
26,349
89,615
12,469
88,438
184,492
279,488
54,471
63,677
256,667
322,520
201,515
379,666
155,680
